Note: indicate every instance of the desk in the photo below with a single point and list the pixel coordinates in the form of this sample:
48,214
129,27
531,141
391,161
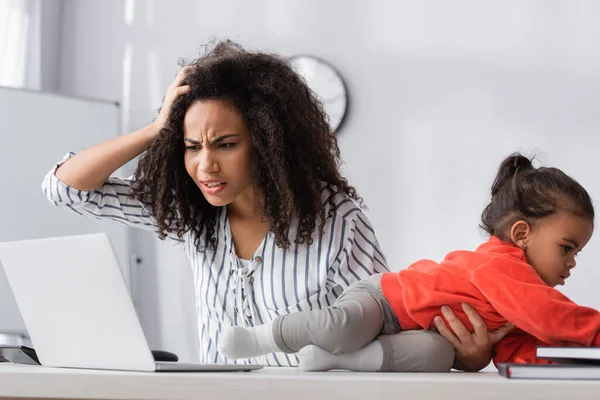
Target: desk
24,381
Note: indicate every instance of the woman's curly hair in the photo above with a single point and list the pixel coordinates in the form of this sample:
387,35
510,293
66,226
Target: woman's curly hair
294,152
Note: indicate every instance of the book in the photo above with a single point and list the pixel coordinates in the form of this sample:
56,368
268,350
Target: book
571,355
550,371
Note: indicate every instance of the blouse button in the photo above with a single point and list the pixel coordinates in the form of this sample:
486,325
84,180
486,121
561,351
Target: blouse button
251,280
257,259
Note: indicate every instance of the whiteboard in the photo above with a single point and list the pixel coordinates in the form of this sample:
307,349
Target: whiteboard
36,131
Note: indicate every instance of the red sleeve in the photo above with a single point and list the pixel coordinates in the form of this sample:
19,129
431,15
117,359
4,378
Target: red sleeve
518,347
515,290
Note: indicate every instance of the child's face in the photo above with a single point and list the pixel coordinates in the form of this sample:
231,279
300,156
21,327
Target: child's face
553,244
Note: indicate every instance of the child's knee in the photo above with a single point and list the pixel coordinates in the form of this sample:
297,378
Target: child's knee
349,332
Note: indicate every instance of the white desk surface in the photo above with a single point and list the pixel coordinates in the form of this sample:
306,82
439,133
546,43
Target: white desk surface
24,381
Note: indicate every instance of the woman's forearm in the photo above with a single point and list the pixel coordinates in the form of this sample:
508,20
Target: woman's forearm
90,168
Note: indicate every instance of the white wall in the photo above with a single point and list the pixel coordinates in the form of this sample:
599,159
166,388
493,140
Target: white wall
439,92
50,36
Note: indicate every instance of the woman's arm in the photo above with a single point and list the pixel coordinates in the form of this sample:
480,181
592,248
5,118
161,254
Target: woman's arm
81,183
474,350
90,168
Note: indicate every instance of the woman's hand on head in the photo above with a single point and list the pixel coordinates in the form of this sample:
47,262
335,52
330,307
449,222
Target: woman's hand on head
175,89
473,350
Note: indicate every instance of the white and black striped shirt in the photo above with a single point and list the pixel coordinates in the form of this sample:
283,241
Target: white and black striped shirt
275,281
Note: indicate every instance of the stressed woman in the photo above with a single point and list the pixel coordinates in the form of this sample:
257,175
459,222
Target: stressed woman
242,168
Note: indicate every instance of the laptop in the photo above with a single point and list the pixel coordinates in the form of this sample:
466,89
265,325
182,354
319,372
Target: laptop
76,307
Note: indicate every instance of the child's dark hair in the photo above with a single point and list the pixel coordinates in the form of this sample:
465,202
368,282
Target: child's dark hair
522,192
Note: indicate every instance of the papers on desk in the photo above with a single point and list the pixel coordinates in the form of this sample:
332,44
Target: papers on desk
576,363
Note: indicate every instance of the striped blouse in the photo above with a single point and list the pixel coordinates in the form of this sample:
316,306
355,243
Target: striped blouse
230,291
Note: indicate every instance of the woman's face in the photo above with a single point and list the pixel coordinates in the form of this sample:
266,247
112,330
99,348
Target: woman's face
218,152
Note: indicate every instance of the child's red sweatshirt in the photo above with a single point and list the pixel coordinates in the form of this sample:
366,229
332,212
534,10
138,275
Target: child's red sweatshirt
498,282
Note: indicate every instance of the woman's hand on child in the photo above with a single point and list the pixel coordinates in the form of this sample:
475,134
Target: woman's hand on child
473,350
175,89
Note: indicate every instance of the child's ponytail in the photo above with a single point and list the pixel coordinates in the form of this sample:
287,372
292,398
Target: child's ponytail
509,169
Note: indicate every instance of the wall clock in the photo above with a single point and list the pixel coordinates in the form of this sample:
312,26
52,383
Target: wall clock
326,82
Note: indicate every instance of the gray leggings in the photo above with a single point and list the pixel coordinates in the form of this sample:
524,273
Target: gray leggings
359,316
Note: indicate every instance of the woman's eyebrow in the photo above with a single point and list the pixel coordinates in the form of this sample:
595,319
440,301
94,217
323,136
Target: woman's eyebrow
224,137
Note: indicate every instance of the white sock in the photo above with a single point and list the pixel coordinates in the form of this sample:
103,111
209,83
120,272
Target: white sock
367,359
240,342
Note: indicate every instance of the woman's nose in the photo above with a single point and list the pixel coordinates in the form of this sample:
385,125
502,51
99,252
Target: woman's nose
208,163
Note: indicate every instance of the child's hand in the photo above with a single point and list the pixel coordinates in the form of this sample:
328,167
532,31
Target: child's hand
473,350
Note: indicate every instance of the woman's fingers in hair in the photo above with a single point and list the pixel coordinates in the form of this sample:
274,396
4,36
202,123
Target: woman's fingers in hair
175,89
181,76
178,81
182,90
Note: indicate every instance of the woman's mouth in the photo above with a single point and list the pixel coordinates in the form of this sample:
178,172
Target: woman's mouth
213,187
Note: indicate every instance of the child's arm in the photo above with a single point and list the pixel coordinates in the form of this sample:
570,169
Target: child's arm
518,294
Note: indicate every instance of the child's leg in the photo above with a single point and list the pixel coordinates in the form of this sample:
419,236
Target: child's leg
354,320
367,359
407,351
416,351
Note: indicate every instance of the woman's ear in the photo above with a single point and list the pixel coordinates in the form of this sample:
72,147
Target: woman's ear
519,233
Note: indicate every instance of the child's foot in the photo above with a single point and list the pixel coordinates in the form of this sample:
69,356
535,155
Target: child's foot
239,342
313,358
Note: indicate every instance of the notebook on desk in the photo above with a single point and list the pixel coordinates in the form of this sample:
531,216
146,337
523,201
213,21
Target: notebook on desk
76,307
550,371
572,355
574,363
